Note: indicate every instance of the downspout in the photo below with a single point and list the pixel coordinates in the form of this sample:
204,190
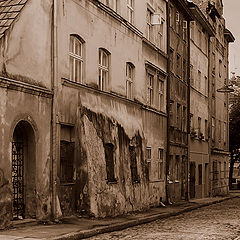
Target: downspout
188,109
53,112
168,105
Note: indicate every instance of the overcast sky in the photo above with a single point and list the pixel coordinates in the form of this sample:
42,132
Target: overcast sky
232,16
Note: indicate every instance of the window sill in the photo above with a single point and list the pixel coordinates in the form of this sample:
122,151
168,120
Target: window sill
67,183
112,182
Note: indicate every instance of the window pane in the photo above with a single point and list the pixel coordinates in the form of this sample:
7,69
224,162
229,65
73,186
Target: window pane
71,68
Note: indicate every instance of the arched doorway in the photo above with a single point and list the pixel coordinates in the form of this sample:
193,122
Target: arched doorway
24,171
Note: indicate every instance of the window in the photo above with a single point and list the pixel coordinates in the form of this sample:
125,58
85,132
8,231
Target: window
161,33
191,75
220,68
76,59
103,69
114,5
225,132
178,65
148,159
149,24
213,128
206,86
178,116
150,88
161,94
192,28
171,16
220,169
177,174
219,130
199,80
109,158
133,164
160,163
225,170
215,171
184,30
129,80
184,70
130,10
177,22
200,174
171,59
184,119
206,129
200,39
67,154
199,126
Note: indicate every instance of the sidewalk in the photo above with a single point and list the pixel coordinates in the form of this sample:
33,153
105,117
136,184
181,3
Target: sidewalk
79,228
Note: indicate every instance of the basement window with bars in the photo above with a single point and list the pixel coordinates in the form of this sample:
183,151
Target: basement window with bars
67,146
109,157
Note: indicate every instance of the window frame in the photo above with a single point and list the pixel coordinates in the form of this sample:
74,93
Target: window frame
130,68
103,70
74,39
130,11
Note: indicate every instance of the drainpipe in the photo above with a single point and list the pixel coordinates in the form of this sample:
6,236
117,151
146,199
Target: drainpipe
188,111
168,105
53,112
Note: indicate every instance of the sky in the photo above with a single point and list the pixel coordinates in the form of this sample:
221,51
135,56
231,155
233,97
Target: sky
232,17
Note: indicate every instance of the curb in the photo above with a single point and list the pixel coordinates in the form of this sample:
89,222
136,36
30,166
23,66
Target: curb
131,223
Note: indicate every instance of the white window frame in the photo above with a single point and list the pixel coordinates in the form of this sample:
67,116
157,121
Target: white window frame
150,86
103,70
130,11
129,80
177,22
149,24
76,58
161,94
160,163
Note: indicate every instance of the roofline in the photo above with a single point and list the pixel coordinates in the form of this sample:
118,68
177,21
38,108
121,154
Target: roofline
184,7
228,35
200,17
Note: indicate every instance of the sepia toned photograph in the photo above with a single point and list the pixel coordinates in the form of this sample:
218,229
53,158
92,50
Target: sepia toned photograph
119,119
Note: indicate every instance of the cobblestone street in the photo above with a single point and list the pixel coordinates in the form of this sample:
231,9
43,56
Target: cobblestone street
219,221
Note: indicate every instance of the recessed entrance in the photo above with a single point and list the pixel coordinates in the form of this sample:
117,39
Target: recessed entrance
23,171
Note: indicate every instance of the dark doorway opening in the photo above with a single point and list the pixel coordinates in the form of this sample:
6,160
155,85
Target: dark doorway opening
23,171
192,179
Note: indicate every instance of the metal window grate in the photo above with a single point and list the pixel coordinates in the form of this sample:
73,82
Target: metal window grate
18,179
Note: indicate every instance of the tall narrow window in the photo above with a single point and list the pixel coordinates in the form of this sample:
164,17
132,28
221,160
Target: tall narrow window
160,163
199,126
149,24
133,164
199,81
150,88
184,30
225,132
129,80
130,10
109,157
161,94
103,70
213,128
67,154
149,158
206,86
177,22
178,116
200,174
178,65
76,59
161,33
184,119
177,165
206,129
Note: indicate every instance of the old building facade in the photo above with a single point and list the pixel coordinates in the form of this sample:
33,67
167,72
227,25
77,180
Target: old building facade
178,99
200,33
95,106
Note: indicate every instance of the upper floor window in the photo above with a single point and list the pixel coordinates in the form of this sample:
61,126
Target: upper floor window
161,94
130,10
76,59
184,30
129,80
103,69
150,79
149,24
177,22
111,3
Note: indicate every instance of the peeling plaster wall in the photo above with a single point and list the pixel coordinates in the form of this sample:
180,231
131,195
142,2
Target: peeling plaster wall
96,125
